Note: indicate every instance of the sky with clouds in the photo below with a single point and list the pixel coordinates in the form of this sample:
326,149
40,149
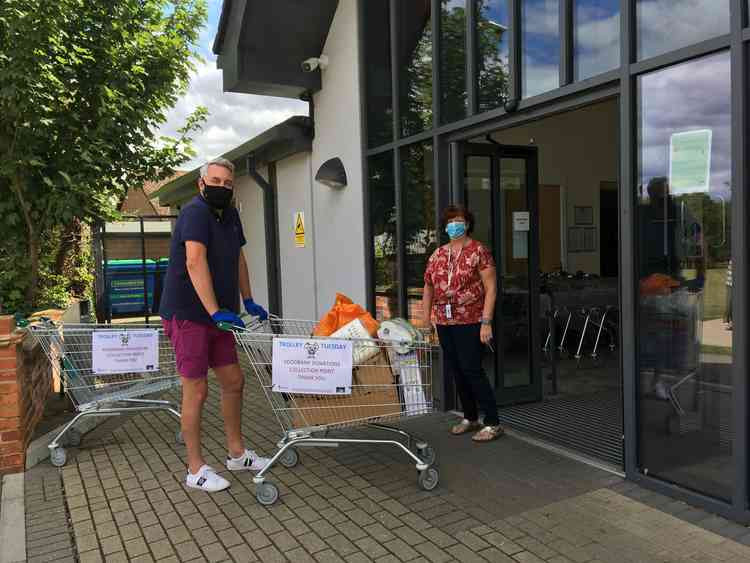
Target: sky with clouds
233,118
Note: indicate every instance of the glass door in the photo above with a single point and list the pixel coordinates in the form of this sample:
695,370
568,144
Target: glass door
501,190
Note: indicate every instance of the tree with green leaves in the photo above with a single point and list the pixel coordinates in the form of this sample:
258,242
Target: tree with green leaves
84,87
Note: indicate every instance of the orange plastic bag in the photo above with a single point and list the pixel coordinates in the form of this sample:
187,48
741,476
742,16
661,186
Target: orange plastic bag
658,284
341,314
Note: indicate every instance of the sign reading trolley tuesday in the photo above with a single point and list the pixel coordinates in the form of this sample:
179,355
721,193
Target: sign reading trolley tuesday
316,367
124,351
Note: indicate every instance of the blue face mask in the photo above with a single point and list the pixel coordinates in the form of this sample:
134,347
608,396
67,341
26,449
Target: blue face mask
455,229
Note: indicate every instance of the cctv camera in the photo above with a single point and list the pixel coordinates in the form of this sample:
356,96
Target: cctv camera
313,63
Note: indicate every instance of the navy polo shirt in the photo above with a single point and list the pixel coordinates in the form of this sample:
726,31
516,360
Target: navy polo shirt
223,238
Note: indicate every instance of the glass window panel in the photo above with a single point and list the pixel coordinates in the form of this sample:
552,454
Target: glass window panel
479,197
419,222
540,54
666,25
513,271
453,60
378,73
384,242
493,35
597,37
415,65
684,231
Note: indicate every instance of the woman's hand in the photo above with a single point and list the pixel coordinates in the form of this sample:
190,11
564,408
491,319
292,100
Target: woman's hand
485,334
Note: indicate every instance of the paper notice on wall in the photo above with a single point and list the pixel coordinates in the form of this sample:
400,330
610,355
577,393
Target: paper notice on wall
124,351
690,162
316,367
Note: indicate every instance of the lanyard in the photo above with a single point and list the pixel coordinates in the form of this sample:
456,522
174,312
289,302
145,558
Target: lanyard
451,263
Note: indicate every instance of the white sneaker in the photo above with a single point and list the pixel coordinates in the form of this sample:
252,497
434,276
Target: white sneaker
206,480
247,461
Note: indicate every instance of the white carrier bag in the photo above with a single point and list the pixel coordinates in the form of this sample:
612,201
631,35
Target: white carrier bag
405,363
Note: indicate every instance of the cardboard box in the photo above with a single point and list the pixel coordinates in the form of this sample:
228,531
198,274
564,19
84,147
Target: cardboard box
374,395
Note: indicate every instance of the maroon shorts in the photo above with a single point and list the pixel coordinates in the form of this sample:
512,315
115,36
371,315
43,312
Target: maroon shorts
199,346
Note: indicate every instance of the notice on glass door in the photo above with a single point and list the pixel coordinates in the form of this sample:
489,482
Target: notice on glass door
690,162
521,221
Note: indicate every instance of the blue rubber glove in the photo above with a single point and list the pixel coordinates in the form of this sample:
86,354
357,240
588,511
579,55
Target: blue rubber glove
255,310
226,319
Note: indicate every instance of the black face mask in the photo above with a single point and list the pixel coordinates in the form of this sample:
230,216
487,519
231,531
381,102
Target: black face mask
217,197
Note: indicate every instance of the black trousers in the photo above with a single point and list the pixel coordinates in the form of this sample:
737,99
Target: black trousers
462,354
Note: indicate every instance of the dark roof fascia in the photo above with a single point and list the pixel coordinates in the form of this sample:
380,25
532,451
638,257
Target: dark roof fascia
285,139
226,10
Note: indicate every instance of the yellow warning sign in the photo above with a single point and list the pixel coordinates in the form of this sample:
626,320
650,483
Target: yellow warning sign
299,229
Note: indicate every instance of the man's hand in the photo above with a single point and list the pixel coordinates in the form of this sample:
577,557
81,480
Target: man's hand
255,310
226,319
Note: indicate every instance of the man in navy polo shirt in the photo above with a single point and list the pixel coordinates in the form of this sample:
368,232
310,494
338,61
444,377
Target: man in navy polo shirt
206,275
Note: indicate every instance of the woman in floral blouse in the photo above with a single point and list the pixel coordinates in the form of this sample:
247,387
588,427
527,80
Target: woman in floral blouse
459,295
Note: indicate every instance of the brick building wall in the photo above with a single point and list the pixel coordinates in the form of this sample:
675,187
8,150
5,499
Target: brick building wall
25,385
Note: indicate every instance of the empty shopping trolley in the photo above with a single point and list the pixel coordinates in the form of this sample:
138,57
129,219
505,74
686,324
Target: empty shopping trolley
391,379
108,370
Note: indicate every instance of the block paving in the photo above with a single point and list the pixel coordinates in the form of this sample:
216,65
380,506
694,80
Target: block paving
121,498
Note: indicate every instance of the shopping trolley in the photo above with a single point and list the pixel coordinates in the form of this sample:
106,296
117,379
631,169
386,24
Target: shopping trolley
98,392
391,380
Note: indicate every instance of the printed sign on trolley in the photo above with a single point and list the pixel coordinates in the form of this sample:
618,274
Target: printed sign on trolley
124,351
315,367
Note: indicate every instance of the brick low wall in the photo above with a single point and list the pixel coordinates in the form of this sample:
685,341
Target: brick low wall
25,385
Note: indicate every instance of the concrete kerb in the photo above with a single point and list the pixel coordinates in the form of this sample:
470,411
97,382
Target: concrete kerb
38,451
12,520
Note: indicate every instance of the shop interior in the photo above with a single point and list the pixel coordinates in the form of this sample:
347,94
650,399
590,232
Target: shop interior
578,237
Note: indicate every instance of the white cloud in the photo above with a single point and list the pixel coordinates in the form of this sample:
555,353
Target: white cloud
541,16
233,118
670,24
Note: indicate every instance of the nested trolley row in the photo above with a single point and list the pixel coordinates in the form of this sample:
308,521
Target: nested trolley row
391,379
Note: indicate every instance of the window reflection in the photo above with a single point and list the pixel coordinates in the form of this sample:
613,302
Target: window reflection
420,234
378,72
666,25
597,37
415,58
493,72
453,60
479,197
684,230
384,243
540,32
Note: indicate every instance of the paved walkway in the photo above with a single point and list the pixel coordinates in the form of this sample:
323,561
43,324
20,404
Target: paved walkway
121,498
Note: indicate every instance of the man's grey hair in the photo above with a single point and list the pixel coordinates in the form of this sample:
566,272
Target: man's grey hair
218,162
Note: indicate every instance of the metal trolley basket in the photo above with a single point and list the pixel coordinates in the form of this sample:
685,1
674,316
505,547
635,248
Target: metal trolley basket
391,380
94,394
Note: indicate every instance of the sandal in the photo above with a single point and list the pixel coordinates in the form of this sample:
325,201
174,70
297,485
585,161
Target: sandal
465,426
488,434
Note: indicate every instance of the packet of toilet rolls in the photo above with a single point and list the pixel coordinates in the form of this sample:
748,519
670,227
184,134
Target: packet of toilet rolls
364,348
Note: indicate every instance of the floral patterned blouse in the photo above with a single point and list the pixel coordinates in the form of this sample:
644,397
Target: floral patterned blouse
456,282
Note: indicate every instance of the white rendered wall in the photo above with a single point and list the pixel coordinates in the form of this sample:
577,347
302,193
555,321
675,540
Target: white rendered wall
338,214
298,294
249,200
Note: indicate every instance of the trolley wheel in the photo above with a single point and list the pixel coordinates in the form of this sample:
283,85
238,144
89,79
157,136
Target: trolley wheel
179,438
429,478
267,493
58,457
74,438
427,454
289,458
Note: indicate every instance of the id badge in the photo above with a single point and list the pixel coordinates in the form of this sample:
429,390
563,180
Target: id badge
448,311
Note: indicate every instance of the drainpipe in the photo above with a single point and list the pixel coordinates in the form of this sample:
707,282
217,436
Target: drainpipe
271,224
